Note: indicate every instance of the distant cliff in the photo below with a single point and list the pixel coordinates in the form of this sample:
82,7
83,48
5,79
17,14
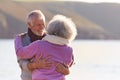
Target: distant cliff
93,21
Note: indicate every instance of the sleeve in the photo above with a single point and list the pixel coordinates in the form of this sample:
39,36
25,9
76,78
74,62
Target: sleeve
23,64
72,59
27,51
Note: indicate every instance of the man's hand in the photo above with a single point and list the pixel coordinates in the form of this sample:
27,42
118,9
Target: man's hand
62,68
40,63
43,62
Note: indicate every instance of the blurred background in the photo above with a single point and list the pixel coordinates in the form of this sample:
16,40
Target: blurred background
96,47
93,20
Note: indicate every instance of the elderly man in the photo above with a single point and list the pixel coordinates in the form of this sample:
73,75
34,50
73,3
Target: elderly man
36,31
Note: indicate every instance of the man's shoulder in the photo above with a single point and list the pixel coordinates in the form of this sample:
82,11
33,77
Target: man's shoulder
22,35
25,38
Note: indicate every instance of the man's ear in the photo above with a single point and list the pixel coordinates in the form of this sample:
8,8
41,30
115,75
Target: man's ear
29,25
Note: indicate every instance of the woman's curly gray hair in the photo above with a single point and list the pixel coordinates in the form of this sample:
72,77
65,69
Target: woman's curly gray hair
62,26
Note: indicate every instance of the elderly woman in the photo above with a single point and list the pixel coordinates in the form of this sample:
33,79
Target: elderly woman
61,31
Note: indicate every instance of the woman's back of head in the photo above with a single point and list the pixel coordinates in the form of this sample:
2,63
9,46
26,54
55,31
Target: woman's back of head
62,26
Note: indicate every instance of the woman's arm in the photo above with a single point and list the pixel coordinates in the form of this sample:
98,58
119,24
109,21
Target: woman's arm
27,51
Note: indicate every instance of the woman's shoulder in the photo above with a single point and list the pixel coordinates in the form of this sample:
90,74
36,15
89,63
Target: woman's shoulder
69,48
40,42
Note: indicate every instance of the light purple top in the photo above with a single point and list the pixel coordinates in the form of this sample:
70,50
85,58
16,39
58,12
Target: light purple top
59,53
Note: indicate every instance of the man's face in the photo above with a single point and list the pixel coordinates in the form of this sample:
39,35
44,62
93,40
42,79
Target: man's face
37,26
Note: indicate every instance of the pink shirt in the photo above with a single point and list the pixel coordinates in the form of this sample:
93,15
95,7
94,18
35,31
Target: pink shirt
59,53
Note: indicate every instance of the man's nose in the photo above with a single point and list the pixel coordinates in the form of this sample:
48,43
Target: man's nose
42,26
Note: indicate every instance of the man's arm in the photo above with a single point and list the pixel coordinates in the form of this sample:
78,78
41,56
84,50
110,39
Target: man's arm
63,68
23,64
40,63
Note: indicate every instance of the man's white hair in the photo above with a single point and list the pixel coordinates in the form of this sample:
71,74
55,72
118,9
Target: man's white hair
62,26
34,14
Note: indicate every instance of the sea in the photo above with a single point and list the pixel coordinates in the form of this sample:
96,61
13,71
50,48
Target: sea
94,60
